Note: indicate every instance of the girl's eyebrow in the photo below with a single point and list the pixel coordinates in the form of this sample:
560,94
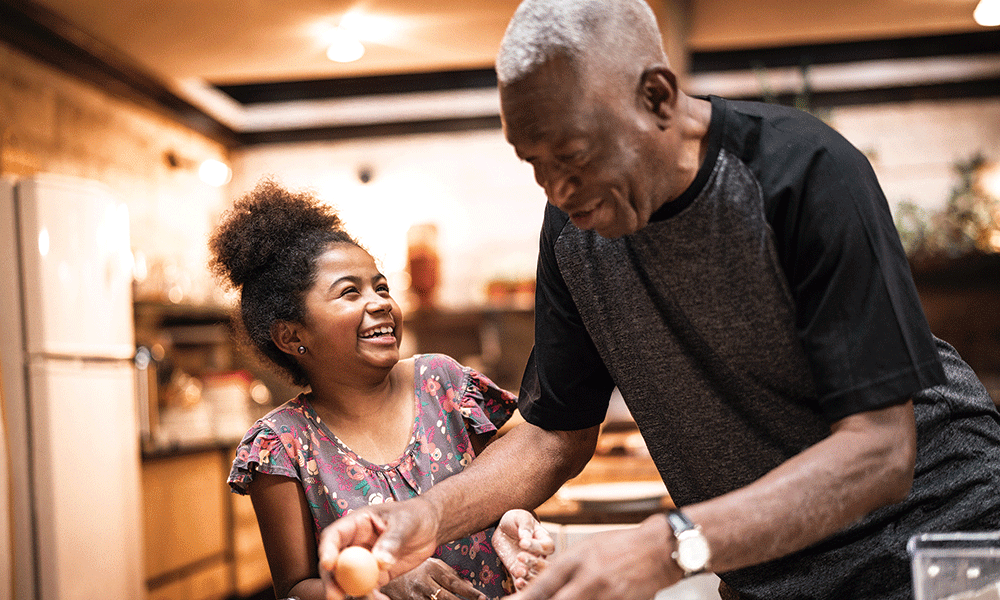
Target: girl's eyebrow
355,280
349,278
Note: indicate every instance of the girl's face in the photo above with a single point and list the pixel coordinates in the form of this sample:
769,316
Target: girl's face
351,319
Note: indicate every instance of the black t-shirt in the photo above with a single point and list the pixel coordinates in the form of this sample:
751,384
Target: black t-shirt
768,301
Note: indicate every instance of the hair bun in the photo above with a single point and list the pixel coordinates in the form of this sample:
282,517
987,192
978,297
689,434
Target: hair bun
264,224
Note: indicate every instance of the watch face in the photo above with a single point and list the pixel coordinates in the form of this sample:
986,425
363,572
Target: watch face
692,552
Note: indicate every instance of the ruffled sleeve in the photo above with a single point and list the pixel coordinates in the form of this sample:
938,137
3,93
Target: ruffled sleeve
261,450
485,406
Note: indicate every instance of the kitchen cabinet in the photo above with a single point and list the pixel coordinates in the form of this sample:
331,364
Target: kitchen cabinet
202,541
186,526
251,573
209,583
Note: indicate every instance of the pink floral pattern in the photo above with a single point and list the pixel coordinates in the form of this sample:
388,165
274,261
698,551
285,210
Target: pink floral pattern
292,441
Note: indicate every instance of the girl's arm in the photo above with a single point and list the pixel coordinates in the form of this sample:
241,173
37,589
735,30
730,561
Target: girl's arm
287,530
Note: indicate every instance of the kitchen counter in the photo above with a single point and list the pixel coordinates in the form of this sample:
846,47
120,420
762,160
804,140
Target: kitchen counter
563,508
152,451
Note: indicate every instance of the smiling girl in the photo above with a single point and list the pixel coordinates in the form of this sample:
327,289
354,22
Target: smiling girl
372,427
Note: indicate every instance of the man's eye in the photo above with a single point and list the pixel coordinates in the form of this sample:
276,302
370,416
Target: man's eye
574,158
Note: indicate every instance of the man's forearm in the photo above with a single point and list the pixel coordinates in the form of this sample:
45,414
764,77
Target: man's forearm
522,469
866,463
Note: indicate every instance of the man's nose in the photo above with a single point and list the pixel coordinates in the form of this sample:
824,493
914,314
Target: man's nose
560,185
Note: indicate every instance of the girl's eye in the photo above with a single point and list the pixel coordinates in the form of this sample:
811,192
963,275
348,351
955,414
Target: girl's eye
349,290
382,287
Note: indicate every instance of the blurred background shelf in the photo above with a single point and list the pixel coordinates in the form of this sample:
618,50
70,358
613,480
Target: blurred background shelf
961,298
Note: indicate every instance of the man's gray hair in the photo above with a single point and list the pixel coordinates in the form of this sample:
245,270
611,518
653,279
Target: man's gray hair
541,30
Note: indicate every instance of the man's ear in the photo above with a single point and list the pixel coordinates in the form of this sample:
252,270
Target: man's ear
658,92
285,336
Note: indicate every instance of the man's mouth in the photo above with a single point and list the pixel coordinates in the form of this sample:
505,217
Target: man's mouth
583,218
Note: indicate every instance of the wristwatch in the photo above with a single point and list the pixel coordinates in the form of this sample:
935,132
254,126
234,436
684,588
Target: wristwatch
692,553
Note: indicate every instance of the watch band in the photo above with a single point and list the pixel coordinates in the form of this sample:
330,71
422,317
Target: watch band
679,521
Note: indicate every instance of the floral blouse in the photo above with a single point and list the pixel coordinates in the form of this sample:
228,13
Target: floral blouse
451,399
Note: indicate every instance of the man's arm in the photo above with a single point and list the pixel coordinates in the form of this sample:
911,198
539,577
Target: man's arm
522,469
866,462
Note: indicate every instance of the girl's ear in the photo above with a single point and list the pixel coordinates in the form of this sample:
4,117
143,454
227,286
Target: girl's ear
285,336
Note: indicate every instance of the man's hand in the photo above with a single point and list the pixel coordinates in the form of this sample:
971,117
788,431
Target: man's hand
626,564
402,535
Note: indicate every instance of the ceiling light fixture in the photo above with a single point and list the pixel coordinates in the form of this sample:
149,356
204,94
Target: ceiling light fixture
344,47
987,13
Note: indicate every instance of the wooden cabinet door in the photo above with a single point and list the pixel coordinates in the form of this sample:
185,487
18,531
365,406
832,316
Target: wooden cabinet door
185,511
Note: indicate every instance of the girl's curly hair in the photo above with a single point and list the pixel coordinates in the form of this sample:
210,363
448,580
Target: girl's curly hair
266,247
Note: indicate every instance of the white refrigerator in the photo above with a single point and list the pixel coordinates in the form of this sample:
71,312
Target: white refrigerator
69,390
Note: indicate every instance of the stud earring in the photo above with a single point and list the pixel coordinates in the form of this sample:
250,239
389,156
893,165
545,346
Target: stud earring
302,349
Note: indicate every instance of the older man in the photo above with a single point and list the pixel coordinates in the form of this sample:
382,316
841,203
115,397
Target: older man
734,269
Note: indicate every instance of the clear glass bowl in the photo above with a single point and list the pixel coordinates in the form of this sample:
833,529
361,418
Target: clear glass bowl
955,566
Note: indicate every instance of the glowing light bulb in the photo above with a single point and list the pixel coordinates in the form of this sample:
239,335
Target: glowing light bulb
344,47
987,13
215,173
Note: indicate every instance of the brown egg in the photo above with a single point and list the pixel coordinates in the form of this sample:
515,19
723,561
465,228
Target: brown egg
356,571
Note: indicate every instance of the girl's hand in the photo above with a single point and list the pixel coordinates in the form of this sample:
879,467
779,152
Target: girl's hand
431,580
522,545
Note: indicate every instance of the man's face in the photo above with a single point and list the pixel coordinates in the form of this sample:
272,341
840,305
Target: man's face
591,148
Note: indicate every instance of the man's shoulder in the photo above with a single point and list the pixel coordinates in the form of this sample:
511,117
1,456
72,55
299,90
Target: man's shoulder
778,127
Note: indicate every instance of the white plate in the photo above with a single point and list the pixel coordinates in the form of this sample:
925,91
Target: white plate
618,496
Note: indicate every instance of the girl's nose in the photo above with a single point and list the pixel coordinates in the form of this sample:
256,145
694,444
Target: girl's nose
379,304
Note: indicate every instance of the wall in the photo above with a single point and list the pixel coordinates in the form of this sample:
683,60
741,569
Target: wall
914,146
6,531
485,202
52,122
